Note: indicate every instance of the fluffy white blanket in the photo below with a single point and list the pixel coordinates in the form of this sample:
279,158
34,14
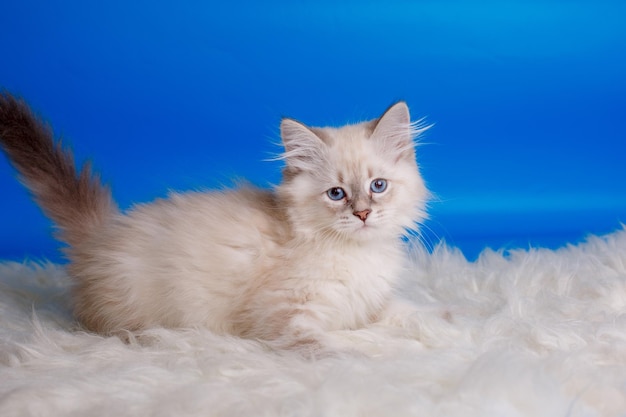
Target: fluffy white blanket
526,333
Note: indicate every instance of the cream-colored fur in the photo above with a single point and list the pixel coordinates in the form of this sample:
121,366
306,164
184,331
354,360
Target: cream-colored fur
283,265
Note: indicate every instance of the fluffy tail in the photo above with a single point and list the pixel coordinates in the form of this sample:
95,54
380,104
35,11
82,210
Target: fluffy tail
75,200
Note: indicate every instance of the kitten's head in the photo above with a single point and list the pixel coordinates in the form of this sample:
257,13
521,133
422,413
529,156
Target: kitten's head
358,182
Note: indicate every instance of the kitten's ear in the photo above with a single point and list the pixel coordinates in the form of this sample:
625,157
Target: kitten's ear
394,131
304,150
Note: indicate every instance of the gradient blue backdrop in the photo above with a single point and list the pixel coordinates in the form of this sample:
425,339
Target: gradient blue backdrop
528,101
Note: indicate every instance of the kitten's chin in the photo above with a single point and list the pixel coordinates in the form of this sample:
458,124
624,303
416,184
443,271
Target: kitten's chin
367,233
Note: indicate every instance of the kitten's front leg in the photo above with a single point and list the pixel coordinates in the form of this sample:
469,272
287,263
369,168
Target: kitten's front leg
302,332
306,334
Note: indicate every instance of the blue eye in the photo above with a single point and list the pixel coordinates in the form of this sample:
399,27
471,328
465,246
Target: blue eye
378,185
336,193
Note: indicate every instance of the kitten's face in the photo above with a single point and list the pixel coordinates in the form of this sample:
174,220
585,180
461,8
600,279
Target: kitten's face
358,182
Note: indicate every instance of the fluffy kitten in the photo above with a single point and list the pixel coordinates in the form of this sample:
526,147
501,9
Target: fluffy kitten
321,252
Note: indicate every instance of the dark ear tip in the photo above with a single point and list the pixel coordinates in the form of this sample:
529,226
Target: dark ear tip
292,123
285,122
395,104
289,125
288,119
399,102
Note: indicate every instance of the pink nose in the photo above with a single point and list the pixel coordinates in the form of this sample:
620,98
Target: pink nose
362,214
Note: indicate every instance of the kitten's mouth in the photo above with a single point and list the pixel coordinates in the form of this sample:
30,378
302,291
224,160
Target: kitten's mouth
364,227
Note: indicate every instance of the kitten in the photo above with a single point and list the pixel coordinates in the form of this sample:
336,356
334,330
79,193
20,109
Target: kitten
320,252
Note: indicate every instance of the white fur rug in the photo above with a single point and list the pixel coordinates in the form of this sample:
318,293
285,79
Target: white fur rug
530,333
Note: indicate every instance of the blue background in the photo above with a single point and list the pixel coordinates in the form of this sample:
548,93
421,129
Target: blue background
528,101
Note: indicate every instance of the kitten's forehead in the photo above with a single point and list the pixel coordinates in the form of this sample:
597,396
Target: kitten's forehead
351,143
349,135
353,157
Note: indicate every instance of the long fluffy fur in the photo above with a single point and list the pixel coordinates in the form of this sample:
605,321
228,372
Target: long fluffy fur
285,265
76,201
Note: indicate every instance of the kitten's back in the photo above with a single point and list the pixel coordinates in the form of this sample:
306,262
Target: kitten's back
186,260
